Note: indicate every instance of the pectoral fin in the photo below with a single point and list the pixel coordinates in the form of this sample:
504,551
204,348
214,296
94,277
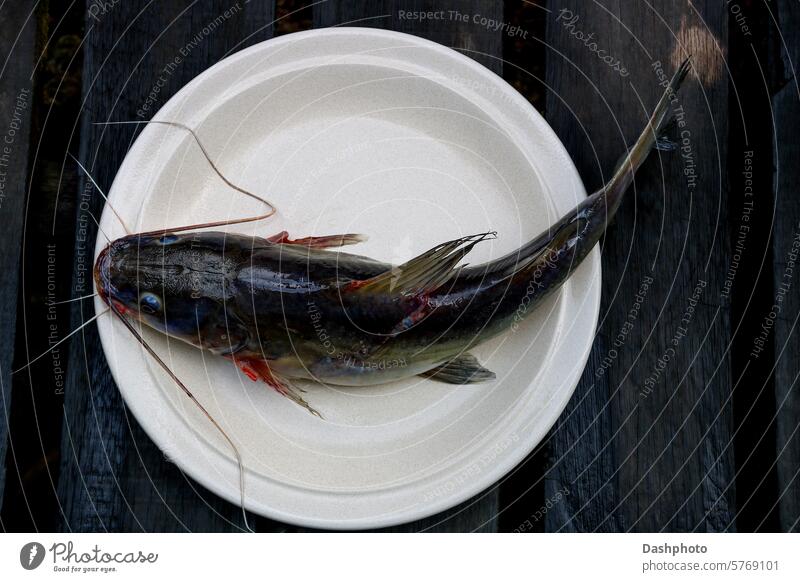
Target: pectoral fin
257,369
463,369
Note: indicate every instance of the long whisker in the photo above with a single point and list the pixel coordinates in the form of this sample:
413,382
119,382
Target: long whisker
272,208
192,397
61,341
103,194
71,300
99,228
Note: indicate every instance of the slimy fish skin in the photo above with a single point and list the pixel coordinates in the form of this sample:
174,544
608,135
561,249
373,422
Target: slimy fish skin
284,309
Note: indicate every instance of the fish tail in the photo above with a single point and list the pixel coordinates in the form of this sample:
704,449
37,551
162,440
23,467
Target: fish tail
648,139
508,288
592,215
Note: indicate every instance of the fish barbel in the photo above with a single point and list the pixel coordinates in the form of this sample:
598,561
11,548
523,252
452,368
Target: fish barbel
285,309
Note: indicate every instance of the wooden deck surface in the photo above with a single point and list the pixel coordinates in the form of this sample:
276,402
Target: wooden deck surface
687,415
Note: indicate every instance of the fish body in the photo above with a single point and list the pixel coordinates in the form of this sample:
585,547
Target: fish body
284,309
300,308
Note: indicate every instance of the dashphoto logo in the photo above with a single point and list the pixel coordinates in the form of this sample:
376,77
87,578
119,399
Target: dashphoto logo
31,555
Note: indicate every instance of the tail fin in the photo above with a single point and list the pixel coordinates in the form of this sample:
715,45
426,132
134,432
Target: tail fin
592,215
623,175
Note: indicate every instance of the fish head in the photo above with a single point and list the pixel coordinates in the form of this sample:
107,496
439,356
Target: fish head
174,284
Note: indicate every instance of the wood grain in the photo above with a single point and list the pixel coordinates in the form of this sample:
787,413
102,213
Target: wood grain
454,27
113,478
636,459
786,111
17,29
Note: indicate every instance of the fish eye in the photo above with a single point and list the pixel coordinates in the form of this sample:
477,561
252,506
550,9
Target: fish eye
149,303
167,239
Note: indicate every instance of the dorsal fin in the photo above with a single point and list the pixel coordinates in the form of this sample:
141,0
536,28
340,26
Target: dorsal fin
423,273
317,242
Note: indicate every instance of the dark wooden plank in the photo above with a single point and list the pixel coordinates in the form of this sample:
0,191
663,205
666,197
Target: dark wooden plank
751,55
786,111
485,46
644,445
17,30
44,276
112,476
453,27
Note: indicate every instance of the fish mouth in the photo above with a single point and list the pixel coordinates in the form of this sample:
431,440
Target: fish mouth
110,294
102,280
102,273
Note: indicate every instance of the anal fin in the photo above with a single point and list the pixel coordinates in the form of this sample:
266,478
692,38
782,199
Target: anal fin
463,369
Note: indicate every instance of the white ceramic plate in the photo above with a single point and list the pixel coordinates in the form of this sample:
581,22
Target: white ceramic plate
411,143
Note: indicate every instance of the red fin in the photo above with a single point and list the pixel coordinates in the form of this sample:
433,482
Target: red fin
249,372
260,369
256,369
318,242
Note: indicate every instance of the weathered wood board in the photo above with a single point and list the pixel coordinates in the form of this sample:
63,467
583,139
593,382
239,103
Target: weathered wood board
113,478
643,445
17,33
786,248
